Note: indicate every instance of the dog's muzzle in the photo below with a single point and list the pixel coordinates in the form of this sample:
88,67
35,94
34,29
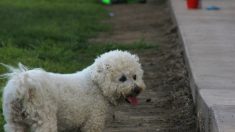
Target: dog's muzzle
132,97
136,90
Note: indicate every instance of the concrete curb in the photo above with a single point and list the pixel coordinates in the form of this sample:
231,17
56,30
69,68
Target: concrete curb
208,38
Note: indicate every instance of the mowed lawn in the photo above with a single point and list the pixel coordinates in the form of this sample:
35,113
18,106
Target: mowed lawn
53,35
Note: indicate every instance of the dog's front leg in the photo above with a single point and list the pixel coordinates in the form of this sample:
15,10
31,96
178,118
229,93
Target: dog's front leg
94,124
50,126
47,124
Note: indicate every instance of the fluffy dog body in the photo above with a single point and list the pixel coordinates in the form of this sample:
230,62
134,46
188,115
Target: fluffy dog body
41,101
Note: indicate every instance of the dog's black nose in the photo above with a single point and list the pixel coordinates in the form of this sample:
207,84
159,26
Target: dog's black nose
136,90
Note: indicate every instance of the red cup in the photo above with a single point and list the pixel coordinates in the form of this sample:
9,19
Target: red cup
193,4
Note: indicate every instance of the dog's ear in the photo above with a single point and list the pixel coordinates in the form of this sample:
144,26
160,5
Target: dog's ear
100,72
101,76
107,67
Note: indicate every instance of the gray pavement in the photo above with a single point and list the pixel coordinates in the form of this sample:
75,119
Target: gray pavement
209,42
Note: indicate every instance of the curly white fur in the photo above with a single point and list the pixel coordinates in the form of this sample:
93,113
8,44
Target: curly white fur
40,101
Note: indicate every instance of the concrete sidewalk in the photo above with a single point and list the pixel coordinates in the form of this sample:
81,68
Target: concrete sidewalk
209,42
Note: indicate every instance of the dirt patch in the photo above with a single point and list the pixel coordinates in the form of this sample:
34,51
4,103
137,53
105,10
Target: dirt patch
166,105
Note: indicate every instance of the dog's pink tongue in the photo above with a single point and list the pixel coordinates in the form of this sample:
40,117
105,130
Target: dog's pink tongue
133,100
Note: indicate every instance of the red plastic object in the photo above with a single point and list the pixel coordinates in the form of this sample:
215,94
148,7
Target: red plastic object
193,4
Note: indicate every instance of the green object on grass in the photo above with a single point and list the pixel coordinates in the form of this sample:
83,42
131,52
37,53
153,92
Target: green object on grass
108,2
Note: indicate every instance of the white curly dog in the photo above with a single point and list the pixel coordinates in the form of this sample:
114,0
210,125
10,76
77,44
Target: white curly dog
39,101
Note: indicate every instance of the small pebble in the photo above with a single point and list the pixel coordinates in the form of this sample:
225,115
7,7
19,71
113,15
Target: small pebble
148,100
212,8
111,14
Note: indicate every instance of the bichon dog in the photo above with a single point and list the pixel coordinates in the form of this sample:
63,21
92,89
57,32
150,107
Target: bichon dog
40,101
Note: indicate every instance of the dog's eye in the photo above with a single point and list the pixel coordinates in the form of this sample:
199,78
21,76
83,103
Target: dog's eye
134,77
122,79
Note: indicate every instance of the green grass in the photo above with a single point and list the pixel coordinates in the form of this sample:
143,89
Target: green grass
53,34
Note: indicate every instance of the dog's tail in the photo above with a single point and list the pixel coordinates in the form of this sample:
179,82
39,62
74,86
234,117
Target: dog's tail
12,71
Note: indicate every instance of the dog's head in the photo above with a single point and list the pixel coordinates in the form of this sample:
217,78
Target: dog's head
119,76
